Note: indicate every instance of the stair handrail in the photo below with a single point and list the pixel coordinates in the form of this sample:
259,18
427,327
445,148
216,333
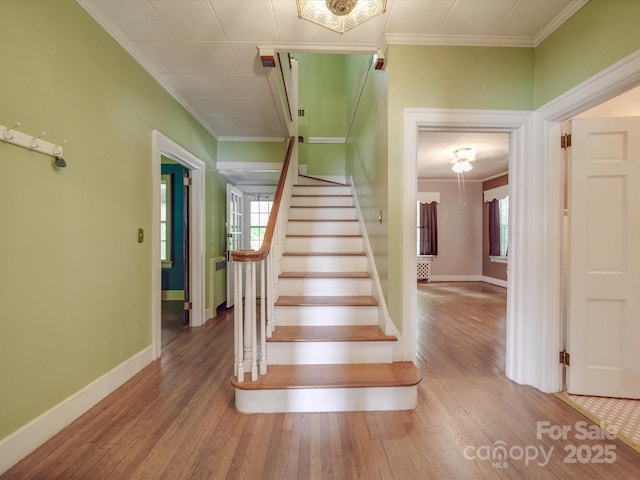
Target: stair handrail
261,254
249,346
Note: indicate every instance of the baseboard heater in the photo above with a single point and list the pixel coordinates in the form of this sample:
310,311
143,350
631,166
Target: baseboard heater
424,269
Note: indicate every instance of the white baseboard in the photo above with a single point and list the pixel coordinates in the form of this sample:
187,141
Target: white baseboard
495,281
207,315
26,439
456,278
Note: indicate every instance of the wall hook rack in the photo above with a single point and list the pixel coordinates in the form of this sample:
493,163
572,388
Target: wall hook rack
34,143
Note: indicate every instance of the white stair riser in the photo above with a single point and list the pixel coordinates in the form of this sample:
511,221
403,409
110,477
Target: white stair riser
323,244
321,190
324,263
323,228
323,213
324,201
324,286
322,353
330,315
303,400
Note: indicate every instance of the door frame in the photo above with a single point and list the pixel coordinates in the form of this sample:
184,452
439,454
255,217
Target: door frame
163,145
610,82
518,125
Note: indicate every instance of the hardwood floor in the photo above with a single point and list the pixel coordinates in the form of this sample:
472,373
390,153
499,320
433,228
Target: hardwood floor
176,420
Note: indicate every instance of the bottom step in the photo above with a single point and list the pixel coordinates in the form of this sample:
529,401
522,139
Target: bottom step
325,388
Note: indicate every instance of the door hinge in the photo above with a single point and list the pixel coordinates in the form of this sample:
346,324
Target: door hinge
565,140
565,358
187,181
188,305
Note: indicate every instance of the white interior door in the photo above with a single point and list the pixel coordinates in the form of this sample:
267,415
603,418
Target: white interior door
604,257
234,235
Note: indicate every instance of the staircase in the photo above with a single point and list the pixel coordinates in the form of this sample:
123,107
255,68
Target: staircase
328,351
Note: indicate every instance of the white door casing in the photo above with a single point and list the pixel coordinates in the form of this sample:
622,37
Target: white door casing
162,145
234,235
604,258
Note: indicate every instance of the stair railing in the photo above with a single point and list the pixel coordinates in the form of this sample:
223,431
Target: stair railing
249,347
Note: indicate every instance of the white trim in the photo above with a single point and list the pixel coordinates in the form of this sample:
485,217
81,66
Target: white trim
428,197
328,140
384,320
612,81
498,192
253,139
521,308
26,439
498,259
459,40
455,278
554,24
249,166
494,281
163,145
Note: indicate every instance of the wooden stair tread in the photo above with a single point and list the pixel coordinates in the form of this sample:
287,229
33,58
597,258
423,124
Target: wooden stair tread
323,220
327,300
354,375
322,206
324,235
325,275
324,254
348,333
304,195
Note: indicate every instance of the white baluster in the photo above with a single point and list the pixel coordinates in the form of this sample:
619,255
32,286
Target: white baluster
238,319
250,334
263,319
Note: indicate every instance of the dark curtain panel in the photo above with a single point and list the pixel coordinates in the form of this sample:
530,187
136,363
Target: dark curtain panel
428,228
494,228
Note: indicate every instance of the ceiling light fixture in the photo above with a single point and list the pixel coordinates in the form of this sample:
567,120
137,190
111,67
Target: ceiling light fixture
340,15
462,158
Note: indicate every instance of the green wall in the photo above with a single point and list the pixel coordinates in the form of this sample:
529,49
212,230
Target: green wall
443,77
598,35
322,94
367,161
75,286
252,151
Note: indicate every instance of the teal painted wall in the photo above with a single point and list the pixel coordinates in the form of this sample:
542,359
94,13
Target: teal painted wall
598,35
75,285
173,277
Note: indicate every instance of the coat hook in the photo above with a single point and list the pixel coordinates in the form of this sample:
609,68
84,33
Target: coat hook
57,149
33,143
7,131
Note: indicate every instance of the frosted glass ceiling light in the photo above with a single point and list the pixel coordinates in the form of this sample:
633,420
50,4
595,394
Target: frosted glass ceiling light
340,15
462,159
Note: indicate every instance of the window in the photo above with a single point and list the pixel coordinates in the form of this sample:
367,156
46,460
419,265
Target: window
260,210
498,229
165,220
504,225
427,222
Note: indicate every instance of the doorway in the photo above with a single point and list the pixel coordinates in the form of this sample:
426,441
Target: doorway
163,146
517,125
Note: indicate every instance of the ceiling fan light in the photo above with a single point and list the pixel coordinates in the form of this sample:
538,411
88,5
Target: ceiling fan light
461,166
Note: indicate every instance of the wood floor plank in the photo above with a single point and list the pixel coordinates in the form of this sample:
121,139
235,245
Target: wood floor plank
176,419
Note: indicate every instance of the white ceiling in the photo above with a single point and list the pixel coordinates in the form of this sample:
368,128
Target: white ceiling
435,152
205,52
